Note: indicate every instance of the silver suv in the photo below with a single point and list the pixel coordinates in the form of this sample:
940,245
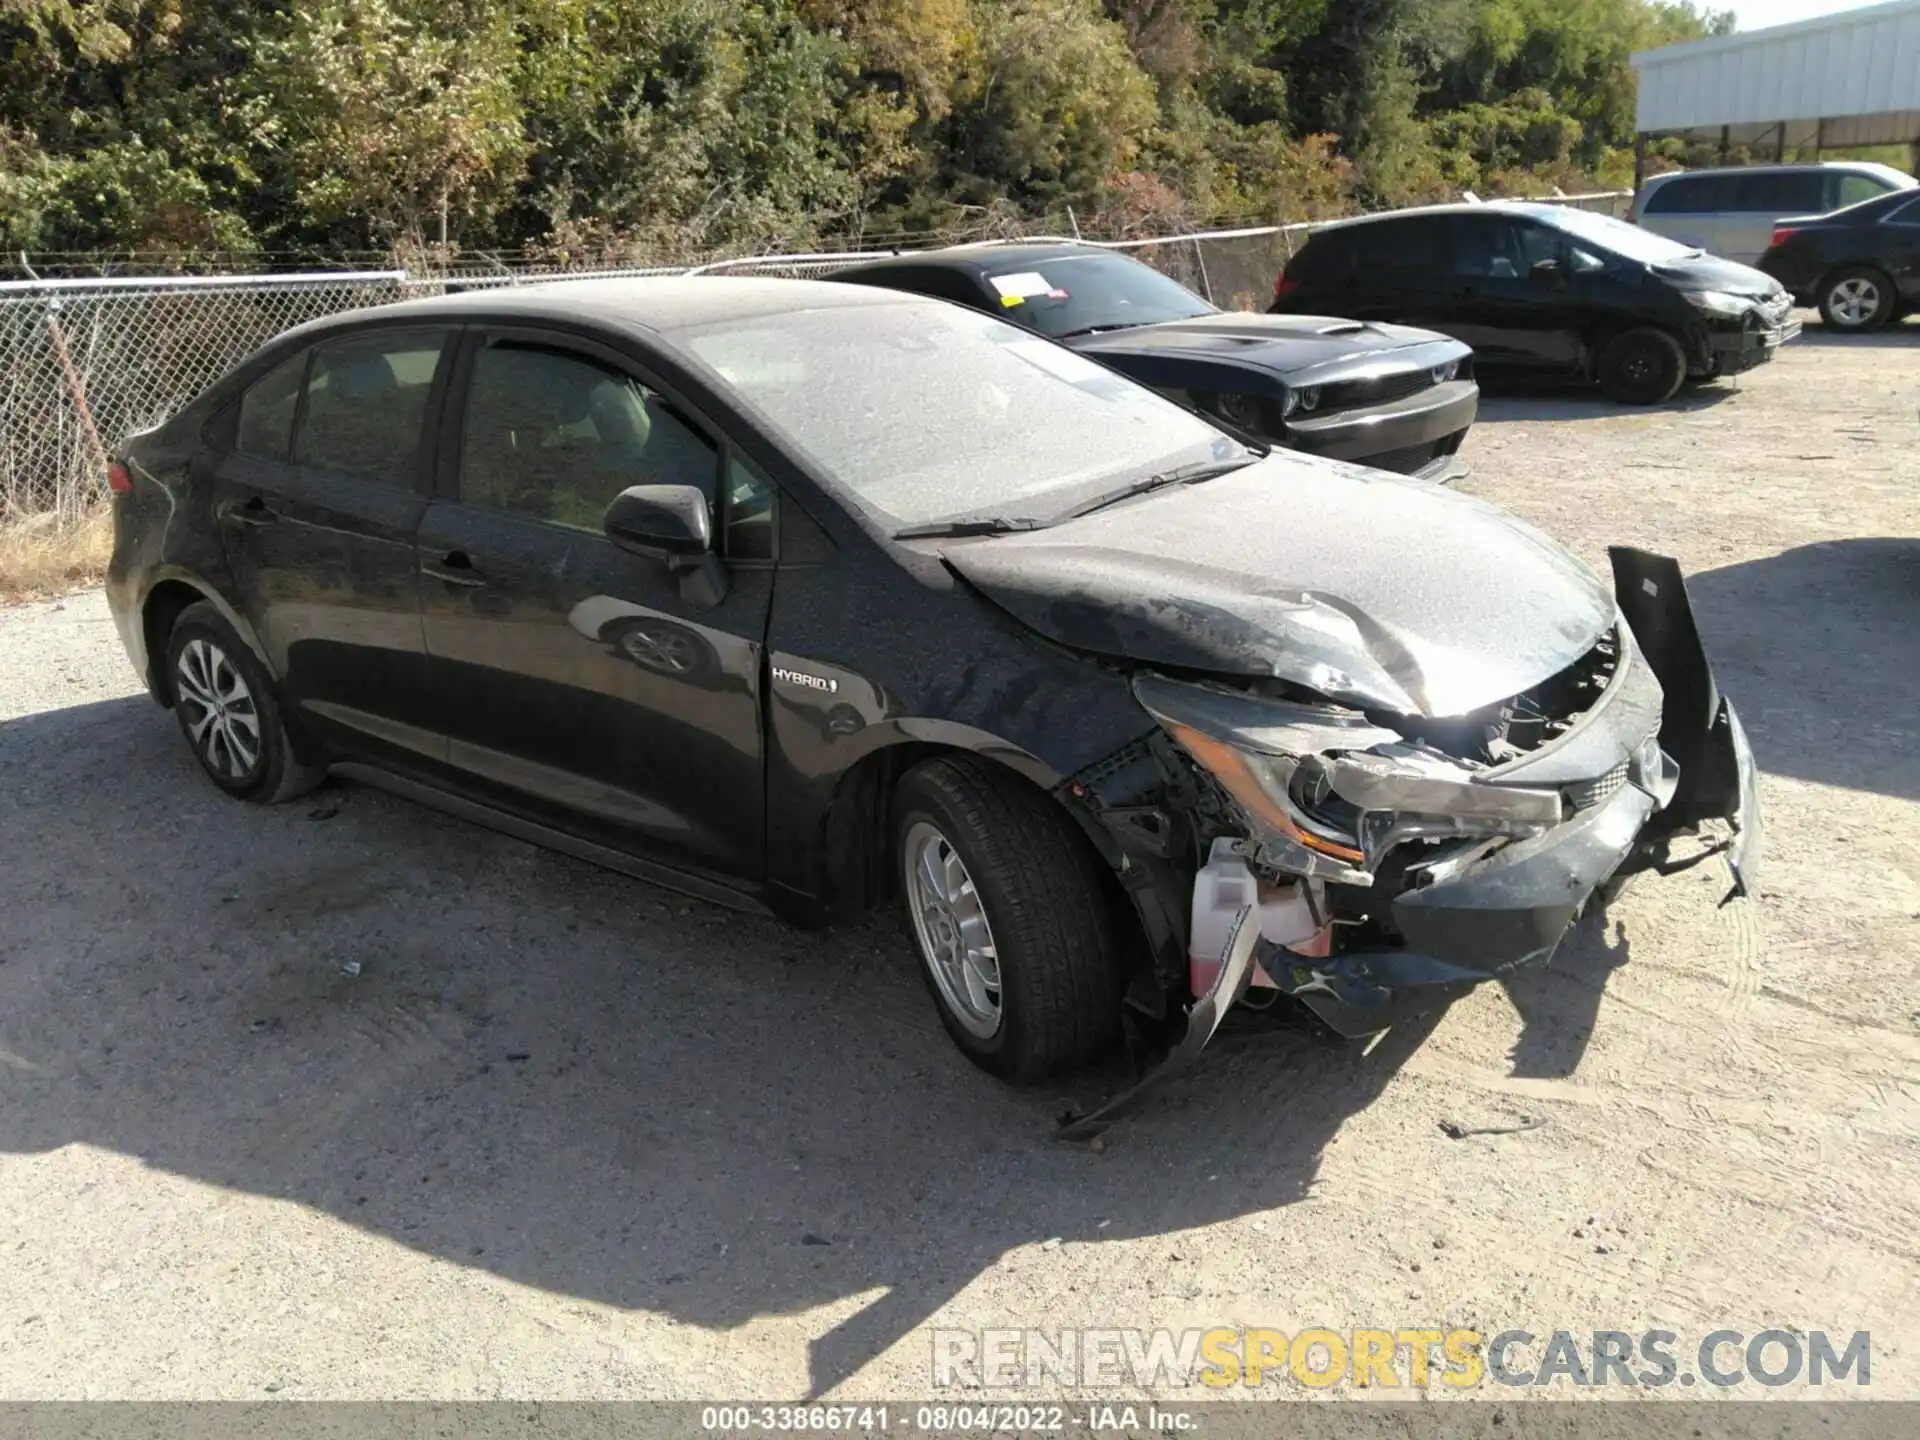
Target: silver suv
1731,213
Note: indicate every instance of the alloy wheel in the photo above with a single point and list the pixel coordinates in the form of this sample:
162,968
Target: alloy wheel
223,720
662,649
1854,301
950,924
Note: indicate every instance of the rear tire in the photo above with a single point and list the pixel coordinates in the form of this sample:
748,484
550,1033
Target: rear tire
1005,901
1857,300
1642,367
228,712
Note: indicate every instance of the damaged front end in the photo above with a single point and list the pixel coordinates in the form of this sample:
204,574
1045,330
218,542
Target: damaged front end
1373,866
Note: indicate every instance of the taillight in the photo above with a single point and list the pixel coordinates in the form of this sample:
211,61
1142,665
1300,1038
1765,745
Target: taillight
1283,284
119,480
1780,233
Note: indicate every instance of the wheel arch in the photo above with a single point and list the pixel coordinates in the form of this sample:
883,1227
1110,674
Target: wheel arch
854,840
172,591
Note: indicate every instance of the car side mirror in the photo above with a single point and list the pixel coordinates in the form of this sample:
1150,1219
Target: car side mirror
670,523
1547,271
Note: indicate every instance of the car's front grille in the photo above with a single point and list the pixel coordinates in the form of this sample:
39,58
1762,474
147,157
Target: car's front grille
1588,793
1375,390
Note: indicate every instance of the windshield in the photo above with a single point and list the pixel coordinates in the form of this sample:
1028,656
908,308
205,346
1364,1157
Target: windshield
1073,294
1618,236
925,411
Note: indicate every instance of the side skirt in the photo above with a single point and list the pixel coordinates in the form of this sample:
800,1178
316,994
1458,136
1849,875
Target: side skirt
549,838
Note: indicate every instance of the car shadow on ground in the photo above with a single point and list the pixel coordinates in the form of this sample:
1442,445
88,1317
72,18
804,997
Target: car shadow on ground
1547,400
572,1080
1812,645
1900,335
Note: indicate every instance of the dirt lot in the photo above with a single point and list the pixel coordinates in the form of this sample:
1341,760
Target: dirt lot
565,1135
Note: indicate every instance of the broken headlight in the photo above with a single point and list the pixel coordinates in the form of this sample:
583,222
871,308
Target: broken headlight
1325,791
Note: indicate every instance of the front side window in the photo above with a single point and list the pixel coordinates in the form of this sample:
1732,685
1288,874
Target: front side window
1486,247
1079,294
556,435
267,409
923,412
366,403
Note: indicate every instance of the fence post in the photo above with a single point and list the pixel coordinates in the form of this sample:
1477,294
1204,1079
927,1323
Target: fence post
76,388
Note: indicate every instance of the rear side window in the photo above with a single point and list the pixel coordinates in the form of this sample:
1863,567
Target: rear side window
1848,189
557,435
1326,260
1907,214
366,401
1779,192
265,430
1693,195
1396,251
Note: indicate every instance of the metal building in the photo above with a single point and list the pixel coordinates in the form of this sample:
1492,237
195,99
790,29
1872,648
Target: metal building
1830,83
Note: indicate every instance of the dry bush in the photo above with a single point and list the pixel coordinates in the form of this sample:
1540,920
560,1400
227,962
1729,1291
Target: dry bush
48,554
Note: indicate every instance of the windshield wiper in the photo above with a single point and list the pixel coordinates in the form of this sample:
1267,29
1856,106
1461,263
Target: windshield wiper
1101,329
978,525
1180,475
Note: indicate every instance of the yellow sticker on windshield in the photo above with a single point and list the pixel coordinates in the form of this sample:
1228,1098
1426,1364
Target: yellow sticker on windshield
1009,301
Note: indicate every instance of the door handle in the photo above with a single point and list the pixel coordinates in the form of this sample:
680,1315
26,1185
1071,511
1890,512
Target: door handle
455,568
253,513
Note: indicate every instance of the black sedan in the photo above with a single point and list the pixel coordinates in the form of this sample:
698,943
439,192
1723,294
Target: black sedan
1860,265
797,595
1381,395
1547,291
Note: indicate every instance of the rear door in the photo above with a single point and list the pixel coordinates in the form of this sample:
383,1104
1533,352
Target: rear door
1687,209
1395,271
1899,245
318,499
580,685
1760,200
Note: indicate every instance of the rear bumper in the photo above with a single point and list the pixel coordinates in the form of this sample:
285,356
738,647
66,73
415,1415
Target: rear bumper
1426,418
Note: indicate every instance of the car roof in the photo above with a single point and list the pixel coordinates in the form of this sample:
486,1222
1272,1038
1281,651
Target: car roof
1850,167
1536,209
660,304
978,259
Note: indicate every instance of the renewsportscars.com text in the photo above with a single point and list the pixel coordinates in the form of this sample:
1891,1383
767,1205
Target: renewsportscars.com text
1222,1359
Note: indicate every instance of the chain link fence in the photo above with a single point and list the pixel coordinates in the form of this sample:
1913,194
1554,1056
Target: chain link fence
85,363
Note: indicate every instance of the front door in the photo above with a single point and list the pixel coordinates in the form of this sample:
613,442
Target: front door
1519,320
580,685
317,499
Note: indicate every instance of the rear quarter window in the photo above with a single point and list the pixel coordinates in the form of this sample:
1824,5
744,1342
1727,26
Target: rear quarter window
265,428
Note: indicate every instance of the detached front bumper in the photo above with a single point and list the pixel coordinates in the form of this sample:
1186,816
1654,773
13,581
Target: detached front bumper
1400,435
1512,908
1742,346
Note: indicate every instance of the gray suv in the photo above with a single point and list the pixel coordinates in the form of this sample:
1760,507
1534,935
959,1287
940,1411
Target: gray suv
1731,213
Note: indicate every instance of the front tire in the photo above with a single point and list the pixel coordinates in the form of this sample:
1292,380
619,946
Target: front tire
1006,905
1856,300
224,701
1642,367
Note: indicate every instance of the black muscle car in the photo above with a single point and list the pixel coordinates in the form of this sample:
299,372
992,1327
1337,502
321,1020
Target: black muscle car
1388,396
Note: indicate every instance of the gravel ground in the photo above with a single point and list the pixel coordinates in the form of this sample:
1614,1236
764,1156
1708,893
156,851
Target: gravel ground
565,1135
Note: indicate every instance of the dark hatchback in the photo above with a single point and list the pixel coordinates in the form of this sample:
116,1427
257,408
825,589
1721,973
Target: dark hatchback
1383,395
1547,291
798,595
1860,265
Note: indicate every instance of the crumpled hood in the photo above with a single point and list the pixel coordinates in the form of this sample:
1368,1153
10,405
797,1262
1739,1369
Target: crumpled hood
1710,272
1355,583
